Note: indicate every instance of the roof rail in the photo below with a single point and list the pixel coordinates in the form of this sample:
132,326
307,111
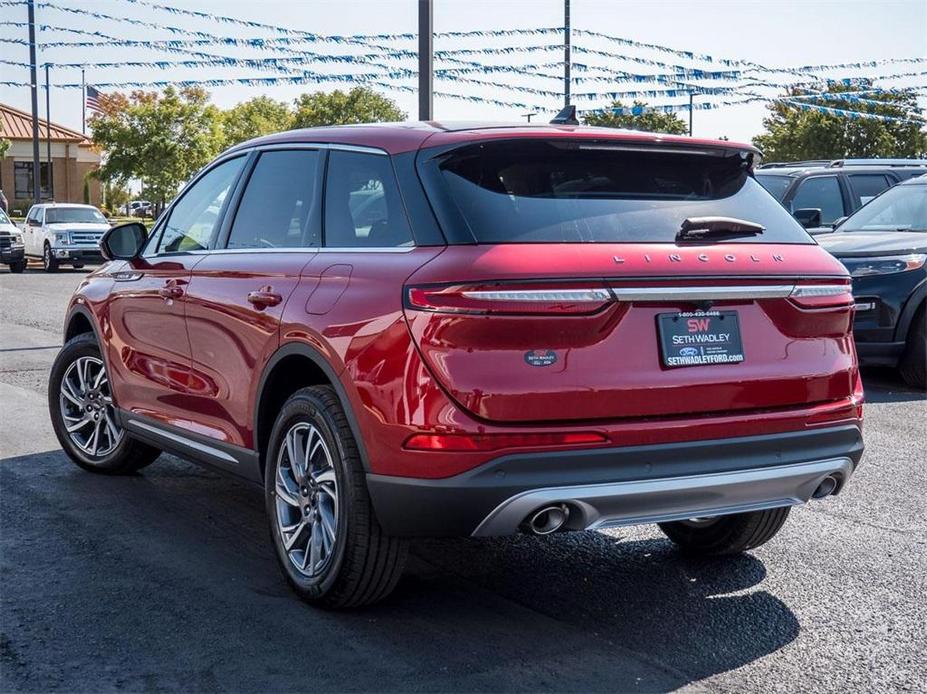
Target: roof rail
878,162
807,162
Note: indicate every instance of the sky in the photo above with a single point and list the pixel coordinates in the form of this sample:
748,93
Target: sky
773,34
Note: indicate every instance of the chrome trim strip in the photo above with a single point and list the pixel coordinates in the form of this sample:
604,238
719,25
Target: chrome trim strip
306,249
597,506
371,249
759,291
184,441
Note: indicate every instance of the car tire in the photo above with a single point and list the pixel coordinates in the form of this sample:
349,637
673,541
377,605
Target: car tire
726,534
49,262
109,450
18,266
326,536
913,362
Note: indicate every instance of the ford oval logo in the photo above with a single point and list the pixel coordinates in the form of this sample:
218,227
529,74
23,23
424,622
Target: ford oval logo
688,352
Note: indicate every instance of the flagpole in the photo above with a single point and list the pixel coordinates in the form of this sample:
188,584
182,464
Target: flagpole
83,103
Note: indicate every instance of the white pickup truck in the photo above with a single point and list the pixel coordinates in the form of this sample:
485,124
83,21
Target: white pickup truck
64,233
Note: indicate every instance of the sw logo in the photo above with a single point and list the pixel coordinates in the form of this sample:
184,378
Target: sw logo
698,324
688,352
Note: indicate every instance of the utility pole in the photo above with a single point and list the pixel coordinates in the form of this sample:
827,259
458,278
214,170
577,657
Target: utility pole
425,60
83,102
36,187
691,100
566,52
51,175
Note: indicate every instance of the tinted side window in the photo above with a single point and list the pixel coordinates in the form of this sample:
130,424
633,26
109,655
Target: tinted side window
867,186
363,207
277,209
823,193
194,218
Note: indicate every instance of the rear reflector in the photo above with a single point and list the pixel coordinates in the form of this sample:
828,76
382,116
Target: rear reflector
509,299
822,295
493,442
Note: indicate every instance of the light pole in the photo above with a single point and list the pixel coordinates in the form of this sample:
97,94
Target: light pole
36,186
566,52
425,60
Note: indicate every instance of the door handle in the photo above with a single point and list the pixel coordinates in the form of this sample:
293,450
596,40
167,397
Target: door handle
171,291
263,298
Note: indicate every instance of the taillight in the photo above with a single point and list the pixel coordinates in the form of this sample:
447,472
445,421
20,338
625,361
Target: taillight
822,295
458,443
510,299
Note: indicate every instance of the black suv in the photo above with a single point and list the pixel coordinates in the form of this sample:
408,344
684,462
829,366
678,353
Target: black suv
822,193
884,246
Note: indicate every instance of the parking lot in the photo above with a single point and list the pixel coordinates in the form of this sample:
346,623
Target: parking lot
166,580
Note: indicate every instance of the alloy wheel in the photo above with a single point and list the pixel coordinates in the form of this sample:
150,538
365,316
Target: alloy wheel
87,408
306,496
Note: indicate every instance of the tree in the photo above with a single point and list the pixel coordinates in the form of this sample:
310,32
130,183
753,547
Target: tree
793,134
161,139
259,116
647,120
4,146
360,105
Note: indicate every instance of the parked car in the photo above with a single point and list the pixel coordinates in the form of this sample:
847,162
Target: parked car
537,329
64,233
821,194
138,208
884,246
11,245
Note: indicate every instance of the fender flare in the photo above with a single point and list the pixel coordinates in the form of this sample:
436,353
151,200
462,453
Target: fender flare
86,313
305,350
916,300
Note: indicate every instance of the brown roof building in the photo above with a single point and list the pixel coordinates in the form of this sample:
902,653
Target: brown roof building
72,160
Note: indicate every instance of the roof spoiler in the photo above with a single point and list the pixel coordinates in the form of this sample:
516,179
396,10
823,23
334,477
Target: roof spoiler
567,116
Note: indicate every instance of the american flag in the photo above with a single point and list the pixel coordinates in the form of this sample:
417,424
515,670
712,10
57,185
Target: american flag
93,99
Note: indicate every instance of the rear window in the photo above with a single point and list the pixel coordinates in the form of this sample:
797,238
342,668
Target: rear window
553,191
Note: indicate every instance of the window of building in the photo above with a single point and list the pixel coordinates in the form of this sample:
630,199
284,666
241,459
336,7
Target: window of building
22,180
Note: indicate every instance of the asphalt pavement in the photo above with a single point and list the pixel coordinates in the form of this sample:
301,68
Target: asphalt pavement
166,580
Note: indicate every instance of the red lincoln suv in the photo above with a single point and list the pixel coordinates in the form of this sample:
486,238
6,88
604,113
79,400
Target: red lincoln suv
437,329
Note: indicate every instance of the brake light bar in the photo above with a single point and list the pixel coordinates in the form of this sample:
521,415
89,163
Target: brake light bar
822,295
510,299
460,443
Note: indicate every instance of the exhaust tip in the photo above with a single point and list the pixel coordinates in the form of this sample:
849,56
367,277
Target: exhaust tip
825,488
547,520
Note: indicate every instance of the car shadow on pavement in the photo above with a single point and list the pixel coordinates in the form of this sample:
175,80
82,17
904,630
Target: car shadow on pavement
695,617
166,580
885,385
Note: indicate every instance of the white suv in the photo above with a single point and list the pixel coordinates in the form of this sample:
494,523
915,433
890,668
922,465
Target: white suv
60,233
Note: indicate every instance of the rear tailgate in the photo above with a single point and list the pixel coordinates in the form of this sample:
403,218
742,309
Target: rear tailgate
519,333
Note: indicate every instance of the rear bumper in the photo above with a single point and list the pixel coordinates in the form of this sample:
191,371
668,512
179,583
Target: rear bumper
618,486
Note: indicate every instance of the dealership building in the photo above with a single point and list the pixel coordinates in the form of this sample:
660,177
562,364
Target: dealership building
72,159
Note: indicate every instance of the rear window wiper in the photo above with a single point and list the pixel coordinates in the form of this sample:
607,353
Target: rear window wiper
698,228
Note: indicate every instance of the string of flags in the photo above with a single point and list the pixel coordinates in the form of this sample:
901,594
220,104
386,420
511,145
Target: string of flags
626,68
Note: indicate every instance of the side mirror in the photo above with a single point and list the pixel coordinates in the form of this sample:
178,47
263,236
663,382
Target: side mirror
838,221
124,242
808,217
